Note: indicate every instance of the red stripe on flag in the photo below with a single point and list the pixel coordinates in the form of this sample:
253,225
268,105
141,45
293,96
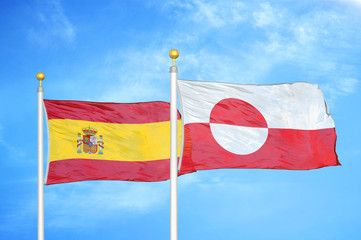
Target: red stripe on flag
232,111
283,149
127,113
75,170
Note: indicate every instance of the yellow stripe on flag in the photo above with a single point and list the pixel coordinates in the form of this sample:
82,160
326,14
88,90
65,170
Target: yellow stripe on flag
122,142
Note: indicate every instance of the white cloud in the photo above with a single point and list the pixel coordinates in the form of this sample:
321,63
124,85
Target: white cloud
348,85
210,67
87,203
283,37
268,16
135,76
353,2
52,23
311,42
218,15
215,14
338,87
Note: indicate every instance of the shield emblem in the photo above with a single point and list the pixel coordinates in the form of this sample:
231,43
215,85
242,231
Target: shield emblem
90,144
94,144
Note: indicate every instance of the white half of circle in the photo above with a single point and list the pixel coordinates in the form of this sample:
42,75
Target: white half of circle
238,139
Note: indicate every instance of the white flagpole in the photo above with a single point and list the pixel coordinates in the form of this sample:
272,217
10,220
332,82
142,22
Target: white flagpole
40,76
173,148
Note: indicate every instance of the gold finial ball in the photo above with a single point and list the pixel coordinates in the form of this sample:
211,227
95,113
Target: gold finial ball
40,76
173,53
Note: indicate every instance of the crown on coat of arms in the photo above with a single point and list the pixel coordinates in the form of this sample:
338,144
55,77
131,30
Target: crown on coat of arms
89,131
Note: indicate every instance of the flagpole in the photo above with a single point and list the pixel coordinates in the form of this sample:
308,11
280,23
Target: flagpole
173,148
40,76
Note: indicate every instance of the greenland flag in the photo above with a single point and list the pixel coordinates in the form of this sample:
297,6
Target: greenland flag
283,126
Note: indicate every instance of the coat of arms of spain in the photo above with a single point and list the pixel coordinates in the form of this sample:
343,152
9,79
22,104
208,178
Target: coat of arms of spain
90,141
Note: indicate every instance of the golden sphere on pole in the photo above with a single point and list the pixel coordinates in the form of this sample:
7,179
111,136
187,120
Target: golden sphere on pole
40,76
173,53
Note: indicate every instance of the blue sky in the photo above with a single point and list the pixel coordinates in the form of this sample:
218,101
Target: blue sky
118,51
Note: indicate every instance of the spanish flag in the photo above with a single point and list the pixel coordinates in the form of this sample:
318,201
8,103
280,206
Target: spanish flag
108,141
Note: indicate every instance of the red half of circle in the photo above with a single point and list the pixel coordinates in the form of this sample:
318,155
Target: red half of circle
233,111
